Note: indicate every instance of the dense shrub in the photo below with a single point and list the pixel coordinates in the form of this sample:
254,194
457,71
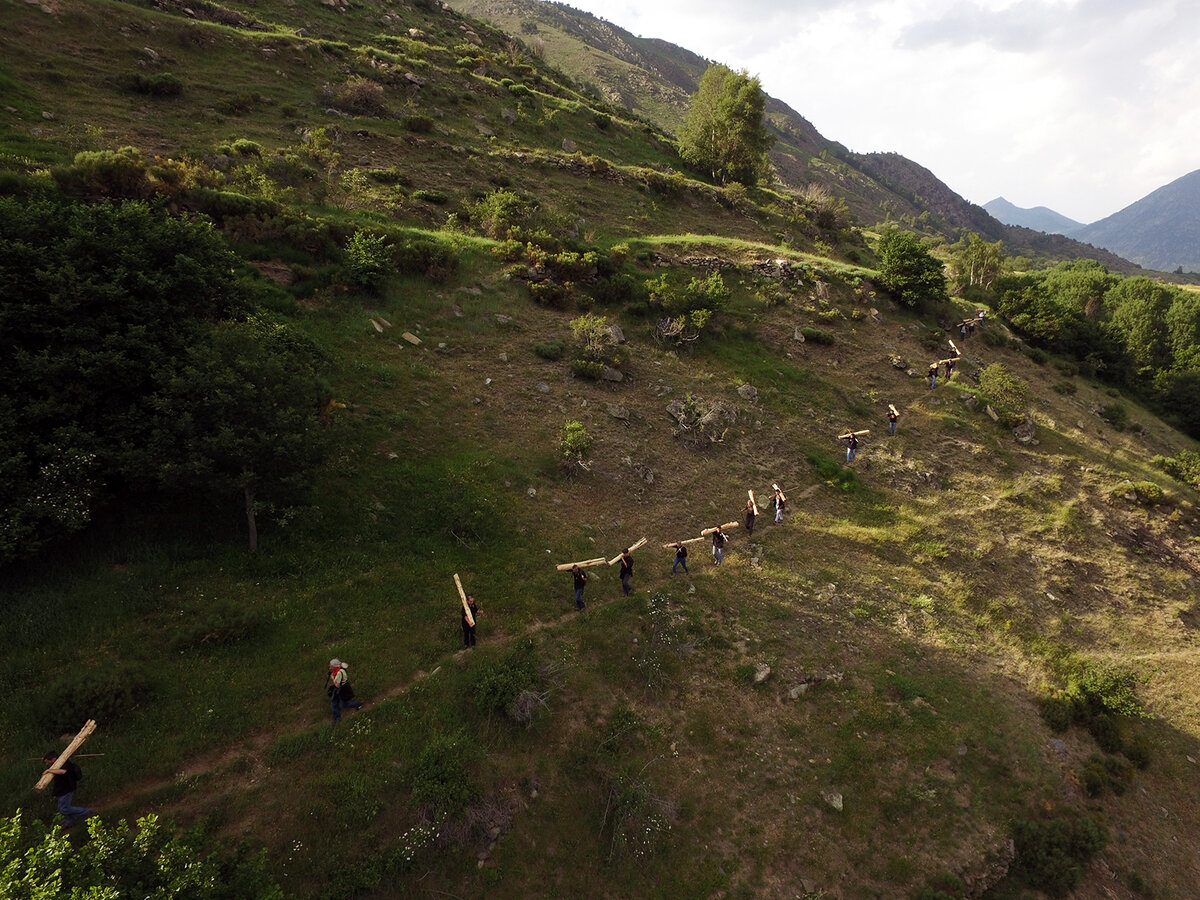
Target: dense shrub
104,173
439,778
1052,855
498,684
222,205
162,84
357,95
1005,391
437,198
368,260
818,336
102,692
1115,415
552,350
574,441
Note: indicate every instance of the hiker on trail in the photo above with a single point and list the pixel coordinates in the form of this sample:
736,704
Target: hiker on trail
66,777
580,582
949,369
750,515
720,538
626,572
892,417
341,694
933,370
962,331
779,503
851,447
467,627
680,558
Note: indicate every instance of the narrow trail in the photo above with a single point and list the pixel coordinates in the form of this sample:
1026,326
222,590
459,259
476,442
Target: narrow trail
255,745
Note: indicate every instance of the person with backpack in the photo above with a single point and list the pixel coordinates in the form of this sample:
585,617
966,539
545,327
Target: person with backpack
66,778
341,694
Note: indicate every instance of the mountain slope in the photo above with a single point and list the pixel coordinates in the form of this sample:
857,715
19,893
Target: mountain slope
657,78
1160,231
1039,218
850,704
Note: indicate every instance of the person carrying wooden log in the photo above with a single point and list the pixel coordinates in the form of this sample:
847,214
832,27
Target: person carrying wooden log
581,580
851,447
680,558
780,502
468,623
626,572
933,370
751,513
66,777
893,415
719,539
341,694
949,367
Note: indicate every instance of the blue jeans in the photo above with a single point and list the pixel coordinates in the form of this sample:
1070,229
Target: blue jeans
850,451
579,604
891,427
69,811
680,561
337,704
718,553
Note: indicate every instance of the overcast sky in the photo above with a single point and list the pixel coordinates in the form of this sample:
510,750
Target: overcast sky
1084,106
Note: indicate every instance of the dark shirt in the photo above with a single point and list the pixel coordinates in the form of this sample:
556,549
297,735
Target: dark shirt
681,552
65,784
474,610
853,441
626,565
580,579
891,417
718,538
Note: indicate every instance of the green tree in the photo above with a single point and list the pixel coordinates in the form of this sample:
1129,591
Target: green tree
1138,309
976,263
150,861
98,306
244,415
912,274
724,135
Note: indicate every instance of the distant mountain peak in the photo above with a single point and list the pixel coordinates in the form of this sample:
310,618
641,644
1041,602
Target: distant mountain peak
1039,218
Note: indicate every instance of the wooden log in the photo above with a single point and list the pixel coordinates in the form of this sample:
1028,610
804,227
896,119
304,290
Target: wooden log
83,735
864,431
895,411
753,505
671,546
957,352
411,338
632,547
782,495
463,596
583,564
728,526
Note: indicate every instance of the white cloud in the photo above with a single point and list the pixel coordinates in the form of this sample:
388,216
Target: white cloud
1080,105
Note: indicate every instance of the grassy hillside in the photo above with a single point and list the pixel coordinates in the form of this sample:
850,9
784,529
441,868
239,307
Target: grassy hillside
857,703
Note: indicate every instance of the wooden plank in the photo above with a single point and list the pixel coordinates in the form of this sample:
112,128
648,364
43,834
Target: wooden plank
583,564
463,596
83,735
895,411
671,546
864,431
632,547
728,526
753,505
411,338
957,352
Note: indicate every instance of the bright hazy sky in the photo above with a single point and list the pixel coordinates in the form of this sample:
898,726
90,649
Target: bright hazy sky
1084,106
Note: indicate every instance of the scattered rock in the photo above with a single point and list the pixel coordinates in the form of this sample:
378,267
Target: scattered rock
748,392
617,411
414,79
798,334
503,356
833,798
1026,432
970,401
897,362
150,54
484,130
543,388
49,116
995,416
569,146
508,116
798,691
503,319
618,335
761,673
611,374
532,492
